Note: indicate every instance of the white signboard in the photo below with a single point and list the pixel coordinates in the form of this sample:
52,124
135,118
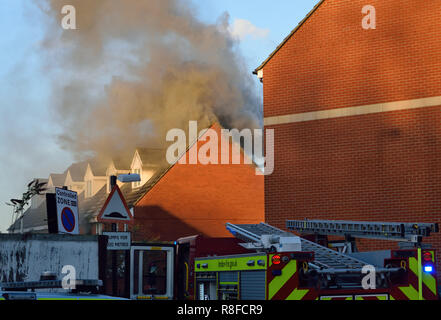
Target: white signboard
118,240
67,211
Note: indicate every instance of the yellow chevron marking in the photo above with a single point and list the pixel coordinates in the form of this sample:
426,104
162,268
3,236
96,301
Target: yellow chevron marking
277,283
430,282
297,294
413,265
410,292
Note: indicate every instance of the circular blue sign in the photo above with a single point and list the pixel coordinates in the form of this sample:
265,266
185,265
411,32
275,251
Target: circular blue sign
68,219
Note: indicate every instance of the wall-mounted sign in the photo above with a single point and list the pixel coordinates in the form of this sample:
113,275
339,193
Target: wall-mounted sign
62,212
118,240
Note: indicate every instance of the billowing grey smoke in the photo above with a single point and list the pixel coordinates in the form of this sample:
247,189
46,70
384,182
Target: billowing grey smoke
134,69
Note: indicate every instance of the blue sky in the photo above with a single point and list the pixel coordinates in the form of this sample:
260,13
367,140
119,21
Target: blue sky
28,132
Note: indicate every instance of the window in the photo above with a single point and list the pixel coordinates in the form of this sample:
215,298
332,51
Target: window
137,184
154,269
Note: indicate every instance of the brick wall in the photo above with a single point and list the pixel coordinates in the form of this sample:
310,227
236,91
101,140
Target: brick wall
199,199
332,62
377,167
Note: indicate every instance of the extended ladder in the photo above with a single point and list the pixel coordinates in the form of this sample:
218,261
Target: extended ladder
404,232
325,258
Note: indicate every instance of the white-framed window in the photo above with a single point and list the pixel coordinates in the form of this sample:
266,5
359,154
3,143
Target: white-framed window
137,184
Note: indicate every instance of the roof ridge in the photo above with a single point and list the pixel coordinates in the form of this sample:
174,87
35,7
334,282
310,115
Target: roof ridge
301,23
156,178
167,169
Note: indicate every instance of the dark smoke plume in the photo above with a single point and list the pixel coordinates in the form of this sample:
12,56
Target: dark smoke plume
134,69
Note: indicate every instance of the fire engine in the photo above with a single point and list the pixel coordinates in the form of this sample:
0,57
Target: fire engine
262,262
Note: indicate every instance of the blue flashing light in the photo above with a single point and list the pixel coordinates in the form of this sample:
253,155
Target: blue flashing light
428,269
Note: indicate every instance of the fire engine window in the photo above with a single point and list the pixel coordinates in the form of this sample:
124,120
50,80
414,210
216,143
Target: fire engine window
228,292
154,272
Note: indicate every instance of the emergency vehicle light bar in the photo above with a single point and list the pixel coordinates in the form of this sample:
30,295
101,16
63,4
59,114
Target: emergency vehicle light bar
47,284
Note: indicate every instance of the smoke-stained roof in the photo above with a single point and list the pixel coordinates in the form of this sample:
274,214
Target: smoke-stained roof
91,207
77,171
58,179
122,163
32,218
98,167
151,156
37,217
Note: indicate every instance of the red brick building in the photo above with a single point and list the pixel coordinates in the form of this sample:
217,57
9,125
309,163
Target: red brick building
197,199
357,116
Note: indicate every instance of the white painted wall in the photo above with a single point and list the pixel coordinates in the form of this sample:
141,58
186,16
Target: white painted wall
26,257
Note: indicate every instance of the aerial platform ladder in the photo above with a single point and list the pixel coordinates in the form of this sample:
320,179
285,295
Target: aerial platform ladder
326,260
331,268
410,233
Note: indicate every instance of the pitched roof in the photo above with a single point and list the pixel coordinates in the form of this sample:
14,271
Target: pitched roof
231,193
151,156
98,167
165,169
122,163
77,171
32,218
92,206
289,36
58,179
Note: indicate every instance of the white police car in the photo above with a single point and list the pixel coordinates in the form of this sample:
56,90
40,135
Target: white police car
49,288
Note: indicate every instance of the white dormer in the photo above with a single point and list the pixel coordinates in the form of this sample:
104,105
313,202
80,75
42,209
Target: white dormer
55,180
77,186
92,183
146,162
136,168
